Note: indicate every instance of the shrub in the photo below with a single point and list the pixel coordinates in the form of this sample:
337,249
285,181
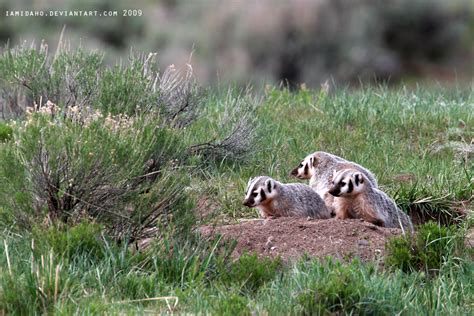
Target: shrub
341,289
113,146
436,244
16,201
6,132
180,259
429,249
250,272
128,88
30,76
81,240
400,253
422,206
95,166
233,304
231,131
74,78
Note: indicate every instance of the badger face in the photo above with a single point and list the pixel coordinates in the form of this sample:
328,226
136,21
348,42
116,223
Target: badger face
305,168
259,191
347,182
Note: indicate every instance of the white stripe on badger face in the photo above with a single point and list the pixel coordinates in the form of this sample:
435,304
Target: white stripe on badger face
251,180
347,181
259,190
306,167
340,175
342,182
250,187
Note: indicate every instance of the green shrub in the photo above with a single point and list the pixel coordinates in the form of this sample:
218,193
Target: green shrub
16,201
31,77
233,304
400,253
6,132
185,258
73,158
75,78
127,89
81,240
88,165
250,272
341,289
431,247
436,244
422,206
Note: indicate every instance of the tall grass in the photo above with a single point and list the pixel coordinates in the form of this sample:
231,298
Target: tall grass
37,277
403,136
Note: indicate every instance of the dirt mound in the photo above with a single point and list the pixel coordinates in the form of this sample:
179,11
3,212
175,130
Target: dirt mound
290,238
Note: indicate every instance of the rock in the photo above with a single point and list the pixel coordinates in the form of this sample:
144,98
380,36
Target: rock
371,226
269,243
363,242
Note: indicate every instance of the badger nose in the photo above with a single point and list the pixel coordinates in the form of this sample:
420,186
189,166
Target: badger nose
334,192
294,172
247,203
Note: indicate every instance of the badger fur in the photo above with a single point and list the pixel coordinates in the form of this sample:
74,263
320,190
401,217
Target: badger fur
318,167
275,199
355,193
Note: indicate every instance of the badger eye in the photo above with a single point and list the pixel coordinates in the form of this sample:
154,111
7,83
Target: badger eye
342,183
300,166
254,194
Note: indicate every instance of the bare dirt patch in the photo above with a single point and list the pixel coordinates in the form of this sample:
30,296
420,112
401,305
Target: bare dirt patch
291,238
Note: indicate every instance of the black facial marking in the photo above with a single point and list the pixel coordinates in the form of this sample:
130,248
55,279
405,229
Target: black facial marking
294,172
306,169
351,187
269,187
254,194
263,196
356,179
335,191
378,222
248,202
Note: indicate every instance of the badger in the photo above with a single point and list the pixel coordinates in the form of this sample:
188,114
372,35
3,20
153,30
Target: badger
275,199
318,167
355,193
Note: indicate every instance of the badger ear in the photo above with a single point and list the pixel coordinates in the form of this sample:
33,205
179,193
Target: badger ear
315,161
269,185
358,178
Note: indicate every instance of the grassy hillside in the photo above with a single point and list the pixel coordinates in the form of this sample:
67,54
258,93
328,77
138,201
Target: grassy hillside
121,154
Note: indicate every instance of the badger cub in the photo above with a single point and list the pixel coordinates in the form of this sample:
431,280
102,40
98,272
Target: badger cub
318,167
355,193
275,199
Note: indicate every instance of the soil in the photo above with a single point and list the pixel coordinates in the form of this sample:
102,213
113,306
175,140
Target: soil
291,238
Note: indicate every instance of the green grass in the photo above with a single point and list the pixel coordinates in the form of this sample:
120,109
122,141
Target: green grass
390,132
121,280
86,260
